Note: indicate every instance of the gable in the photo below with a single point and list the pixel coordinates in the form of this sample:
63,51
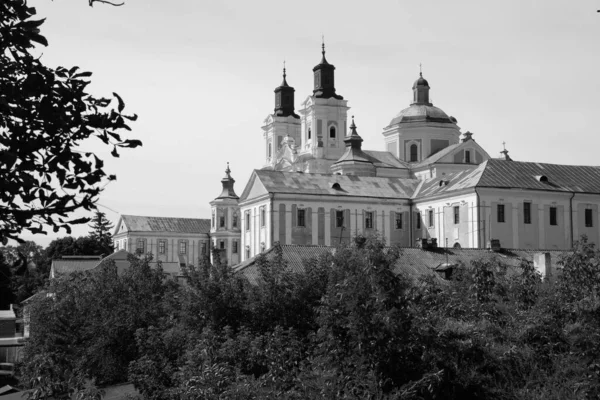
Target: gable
253,189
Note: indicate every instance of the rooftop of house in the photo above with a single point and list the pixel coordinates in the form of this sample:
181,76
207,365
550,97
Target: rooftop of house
495,173
336,185
413,262
136,223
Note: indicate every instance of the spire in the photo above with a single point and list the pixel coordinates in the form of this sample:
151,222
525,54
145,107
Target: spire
227,183
284,83
324,87
323,59
353,140
284,98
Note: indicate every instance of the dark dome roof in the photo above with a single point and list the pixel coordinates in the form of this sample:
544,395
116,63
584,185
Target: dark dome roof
422,113
420,82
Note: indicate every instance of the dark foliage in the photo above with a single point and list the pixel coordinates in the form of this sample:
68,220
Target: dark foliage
345,327
45,114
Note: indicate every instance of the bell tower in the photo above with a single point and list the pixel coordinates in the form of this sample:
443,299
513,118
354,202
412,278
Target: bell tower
225,233
284,122
324,117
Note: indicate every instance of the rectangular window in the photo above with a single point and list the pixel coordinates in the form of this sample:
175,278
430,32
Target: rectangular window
116,245
456,214
213,220
468,157
588,218
431,218
203,246
247,216
234,222
262,216
247,252
162,246
500,212
553,220
418,220
369,220
234,247
301,219
182,247
141,245
222,221
339,219
527,213
221,244
398,220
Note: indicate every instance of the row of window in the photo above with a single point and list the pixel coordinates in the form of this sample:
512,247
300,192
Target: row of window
501,215
234,222
162,246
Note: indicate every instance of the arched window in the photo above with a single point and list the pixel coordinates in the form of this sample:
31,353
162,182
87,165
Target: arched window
332,132
414,153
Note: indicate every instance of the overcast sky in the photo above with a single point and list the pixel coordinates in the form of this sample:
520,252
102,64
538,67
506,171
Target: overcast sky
201,74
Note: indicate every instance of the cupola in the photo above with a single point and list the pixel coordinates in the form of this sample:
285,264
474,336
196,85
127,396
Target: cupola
324,79
421,91
227,182
284,99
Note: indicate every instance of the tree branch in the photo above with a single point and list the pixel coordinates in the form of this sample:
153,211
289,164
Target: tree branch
105,2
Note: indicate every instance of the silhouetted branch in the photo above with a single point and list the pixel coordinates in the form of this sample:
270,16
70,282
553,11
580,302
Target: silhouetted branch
105,2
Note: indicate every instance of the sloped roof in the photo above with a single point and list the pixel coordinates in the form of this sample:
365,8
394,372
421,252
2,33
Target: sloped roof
166,224
413,262
350,185
69,265
495,173
561,178
437,156
385,159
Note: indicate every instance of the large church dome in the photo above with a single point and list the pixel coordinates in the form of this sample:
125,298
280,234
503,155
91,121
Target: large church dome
422,113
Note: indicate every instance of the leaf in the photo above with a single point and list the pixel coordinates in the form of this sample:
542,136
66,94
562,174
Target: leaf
121,103
114,152
82,75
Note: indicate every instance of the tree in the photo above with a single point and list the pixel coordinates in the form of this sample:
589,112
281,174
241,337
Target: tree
86,331
101,228
45,115
6,292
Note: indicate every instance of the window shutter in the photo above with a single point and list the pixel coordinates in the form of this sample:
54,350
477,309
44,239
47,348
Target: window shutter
363,221
374,220
347,221
308,217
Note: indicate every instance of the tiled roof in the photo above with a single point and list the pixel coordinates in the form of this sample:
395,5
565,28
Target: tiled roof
561,178
67,266
165,224
495,173
413,262
350,185
294,256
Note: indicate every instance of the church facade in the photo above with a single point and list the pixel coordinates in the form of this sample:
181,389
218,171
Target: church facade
318,186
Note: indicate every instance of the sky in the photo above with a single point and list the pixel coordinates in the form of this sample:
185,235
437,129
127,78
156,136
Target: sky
200,75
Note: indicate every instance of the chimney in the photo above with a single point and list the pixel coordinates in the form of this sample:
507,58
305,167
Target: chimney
542,264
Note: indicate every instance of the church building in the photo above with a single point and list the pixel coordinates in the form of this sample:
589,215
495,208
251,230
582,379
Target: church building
318,186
